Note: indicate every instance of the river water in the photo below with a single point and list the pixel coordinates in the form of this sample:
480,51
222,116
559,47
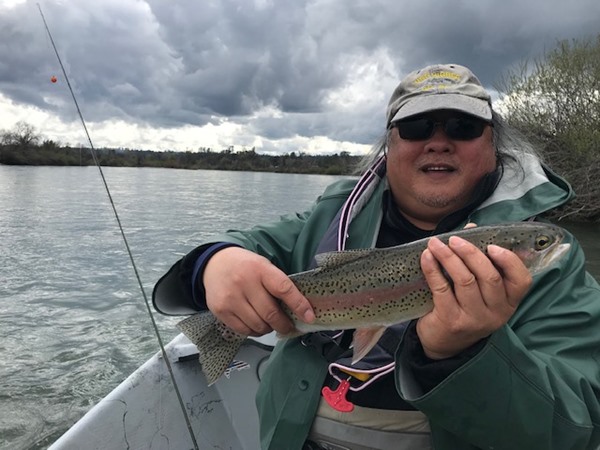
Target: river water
73,322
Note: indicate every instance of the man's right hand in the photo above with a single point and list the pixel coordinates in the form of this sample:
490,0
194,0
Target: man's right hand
243,291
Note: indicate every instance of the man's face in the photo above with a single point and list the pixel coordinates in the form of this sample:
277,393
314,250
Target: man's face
435,176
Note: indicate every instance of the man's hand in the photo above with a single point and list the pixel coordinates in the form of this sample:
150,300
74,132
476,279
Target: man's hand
243,289
483,295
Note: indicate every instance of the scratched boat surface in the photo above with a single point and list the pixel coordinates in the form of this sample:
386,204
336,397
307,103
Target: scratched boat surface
144,412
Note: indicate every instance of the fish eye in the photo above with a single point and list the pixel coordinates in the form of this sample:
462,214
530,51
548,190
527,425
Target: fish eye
542,242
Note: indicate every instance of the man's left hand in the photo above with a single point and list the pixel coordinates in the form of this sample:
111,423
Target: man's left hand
484,294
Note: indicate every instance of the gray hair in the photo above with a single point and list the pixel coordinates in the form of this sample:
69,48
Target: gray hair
507,141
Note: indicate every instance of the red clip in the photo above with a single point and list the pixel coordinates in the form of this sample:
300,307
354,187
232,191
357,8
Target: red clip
337,399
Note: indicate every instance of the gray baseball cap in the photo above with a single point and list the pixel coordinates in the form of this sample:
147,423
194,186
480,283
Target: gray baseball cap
441,86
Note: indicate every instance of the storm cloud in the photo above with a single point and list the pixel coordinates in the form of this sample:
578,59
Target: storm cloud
278,69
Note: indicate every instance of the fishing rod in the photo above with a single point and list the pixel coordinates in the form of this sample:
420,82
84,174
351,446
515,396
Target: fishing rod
122,231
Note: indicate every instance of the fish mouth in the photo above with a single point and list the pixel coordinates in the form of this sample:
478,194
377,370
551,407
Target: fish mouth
558,253
551,257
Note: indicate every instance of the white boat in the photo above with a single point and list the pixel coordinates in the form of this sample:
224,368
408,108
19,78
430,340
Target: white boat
143,412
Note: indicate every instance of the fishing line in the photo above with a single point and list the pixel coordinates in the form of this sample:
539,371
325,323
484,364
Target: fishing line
122,231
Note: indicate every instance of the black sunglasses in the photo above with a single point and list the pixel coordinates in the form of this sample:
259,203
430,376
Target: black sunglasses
457,128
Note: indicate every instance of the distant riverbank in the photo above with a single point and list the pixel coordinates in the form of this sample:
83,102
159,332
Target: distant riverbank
577,170
247,160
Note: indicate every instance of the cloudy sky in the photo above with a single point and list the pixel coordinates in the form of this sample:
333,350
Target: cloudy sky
279,75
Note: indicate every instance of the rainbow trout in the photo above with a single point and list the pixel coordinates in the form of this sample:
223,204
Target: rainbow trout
371,289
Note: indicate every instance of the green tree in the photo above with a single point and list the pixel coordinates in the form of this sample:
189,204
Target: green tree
555,101
49,144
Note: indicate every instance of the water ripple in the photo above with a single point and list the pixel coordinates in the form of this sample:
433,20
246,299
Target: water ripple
73,323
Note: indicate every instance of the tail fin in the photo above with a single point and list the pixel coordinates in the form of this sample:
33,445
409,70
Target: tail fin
217,344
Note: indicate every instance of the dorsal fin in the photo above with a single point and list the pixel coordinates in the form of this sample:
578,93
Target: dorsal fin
334,259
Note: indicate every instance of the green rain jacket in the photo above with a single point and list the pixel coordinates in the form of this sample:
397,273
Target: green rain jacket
534,385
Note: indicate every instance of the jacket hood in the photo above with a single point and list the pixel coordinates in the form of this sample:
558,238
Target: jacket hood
527,188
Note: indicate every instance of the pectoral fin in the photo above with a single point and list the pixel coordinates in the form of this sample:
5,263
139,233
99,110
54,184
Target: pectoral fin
364,340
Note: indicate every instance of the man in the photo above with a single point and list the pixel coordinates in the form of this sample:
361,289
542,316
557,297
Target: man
502,361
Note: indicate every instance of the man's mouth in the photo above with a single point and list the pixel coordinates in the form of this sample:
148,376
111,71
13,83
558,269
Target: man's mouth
437,168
